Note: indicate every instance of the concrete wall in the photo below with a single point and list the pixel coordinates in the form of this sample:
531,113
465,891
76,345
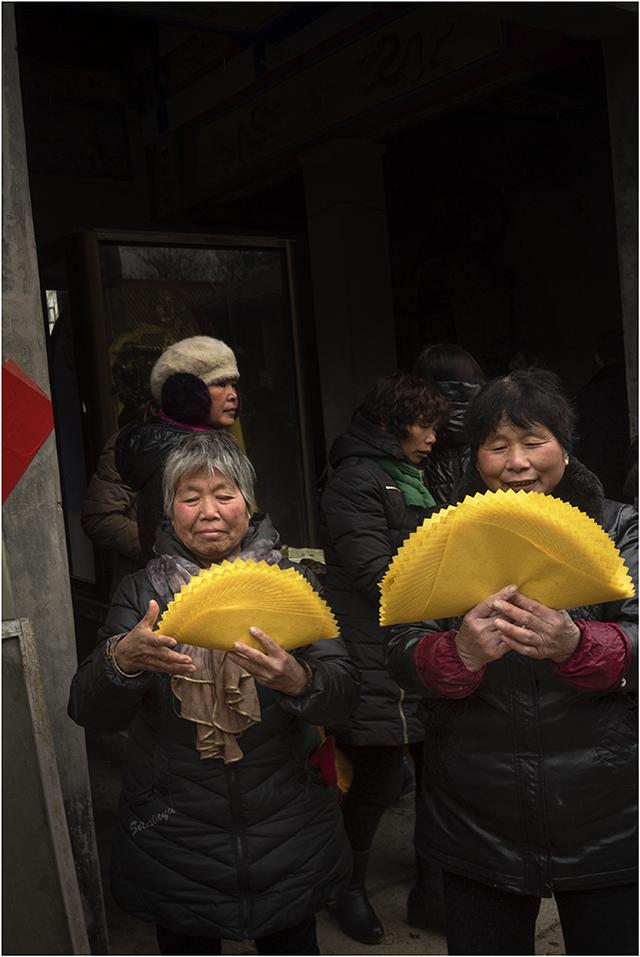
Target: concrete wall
35,562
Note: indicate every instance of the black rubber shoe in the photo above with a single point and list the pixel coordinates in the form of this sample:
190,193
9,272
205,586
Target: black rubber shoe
425,912
353,911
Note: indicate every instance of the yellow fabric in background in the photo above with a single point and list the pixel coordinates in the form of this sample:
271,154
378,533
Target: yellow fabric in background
236,434
551,550
344,771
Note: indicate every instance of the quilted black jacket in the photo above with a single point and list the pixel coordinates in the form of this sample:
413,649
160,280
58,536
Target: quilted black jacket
363,522
530,784
141,450
233,851
449,457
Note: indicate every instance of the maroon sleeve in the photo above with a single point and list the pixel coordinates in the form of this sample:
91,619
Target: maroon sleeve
440,668
601,659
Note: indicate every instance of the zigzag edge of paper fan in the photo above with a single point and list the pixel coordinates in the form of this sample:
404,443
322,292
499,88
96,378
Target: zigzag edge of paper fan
438,526
555,511
406,547
551,510
316,606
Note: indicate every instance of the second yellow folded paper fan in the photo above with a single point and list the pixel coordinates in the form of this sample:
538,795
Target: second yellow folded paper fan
551,550
217,607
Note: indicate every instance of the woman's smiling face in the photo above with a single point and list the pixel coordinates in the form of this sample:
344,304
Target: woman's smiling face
529,458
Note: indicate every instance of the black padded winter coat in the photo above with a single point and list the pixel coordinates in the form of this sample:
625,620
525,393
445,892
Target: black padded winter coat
232,851
363,522
449,457
141,450
530,784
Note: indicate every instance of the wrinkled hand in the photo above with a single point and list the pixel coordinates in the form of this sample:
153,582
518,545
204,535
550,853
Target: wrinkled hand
532,629
274,667
479,640
143,650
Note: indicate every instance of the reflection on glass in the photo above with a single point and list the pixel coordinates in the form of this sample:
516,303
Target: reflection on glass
156,295
53,308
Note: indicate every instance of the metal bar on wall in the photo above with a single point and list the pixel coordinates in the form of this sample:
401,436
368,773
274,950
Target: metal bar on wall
234,241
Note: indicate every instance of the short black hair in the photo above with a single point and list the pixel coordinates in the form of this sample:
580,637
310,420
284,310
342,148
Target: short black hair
398,401
523,398
448,362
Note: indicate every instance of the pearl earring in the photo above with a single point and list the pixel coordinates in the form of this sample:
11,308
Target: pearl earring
566,460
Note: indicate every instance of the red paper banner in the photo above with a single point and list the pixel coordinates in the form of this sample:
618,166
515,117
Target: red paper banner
27,420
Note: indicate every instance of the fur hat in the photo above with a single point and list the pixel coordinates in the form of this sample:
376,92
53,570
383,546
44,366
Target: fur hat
209,359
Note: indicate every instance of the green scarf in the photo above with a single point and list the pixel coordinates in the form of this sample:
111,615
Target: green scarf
408,478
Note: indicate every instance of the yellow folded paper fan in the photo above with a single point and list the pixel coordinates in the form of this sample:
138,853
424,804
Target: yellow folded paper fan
218,606
551,550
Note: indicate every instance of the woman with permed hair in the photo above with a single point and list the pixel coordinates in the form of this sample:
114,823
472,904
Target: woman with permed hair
530,770
373,500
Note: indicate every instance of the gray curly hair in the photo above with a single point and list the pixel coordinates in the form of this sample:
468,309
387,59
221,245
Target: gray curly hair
208,452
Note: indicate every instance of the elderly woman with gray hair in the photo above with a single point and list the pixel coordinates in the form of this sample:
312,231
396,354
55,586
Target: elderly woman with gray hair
225,829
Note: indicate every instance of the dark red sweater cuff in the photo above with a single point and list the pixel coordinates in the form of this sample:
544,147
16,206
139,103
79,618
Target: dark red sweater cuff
601,659
440,669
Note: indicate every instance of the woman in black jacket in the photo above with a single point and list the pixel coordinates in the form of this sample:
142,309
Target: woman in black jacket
225,830
458,377
374,499
530,737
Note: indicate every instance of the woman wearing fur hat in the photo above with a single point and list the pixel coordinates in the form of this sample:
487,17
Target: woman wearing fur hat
195,386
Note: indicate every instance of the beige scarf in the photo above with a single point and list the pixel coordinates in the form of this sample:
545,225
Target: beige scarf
220,697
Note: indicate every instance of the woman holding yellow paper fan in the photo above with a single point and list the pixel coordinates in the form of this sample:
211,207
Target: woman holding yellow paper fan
373,500
225,829
531,713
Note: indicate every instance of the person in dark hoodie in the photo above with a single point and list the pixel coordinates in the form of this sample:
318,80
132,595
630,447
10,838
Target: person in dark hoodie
530,757
375,497
194,384
458,377
603,409
225,829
